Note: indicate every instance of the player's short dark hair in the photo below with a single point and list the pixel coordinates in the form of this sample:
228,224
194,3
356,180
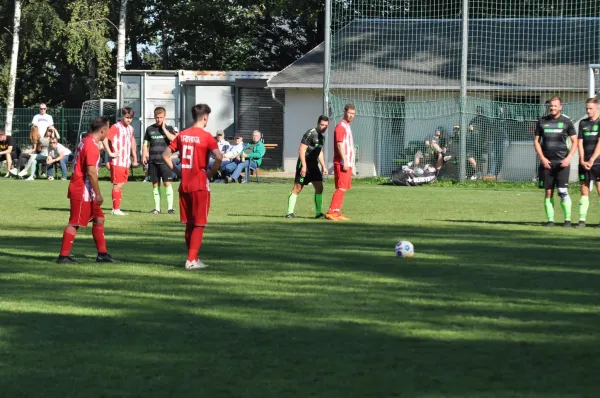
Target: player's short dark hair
593,100
127,111
97,124
2,132
322,118
555,98
199,110
349,107
159,110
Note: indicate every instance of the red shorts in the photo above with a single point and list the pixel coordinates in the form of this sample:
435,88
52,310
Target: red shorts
343,179
118,174
194,207
83,212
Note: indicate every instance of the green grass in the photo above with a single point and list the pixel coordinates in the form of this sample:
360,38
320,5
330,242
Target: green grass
491,306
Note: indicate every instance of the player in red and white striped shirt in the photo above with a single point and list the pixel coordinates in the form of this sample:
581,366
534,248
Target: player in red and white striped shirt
84,195
194,145
120,143
343,163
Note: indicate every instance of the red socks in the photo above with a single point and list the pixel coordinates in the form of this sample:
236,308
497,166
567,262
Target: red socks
336,202
195,242
116,198
98,234
67,241
189,228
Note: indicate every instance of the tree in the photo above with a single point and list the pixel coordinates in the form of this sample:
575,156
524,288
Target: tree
121,36
13,68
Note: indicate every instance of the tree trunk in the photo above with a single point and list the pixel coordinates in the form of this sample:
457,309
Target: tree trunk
121,37
93,72
133,41
165,44
13,68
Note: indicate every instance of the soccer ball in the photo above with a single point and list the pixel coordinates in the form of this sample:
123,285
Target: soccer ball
405,249
419,171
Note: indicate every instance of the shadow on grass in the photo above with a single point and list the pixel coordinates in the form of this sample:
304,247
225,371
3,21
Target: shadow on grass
106,211
527,223
173,353
280,216
317,309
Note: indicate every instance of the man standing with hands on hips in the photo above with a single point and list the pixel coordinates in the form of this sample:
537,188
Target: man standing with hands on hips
343,162
310,156
555,143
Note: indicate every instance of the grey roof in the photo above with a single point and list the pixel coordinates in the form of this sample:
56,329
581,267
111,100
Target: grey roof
537,53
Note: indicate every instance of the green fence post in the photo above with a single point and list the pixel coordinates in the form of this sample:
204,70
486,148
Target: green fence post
62,127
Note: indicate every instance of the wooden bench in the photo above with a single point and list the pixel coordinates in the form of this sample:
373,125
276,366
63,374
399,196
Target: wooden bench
257,171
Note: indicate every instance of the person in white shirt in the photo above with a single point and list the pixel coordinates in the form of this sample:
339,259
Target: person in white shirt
42,120
233,151
58,153
40,155
222,142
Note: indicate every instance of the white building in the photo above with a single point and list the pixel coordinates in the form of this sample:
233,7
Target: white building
421,69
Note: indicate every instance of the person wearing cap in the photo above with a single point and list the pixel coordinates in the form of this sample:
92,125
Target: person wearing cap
231,153
222,142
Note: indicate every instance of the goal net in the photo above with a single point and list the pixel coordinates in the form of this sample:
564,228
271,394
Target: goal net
93,108
481,78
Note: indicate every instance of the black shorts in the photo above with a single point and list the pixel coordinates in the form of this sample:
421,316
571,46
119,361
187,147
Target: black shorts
156,171
555,176
313,174
587,176
13,156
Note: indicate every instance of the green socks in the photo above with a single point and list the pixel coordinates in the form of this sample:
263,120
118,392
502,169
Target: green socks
566,205
318,203
584,204
169,197
156,191
549,205
291,203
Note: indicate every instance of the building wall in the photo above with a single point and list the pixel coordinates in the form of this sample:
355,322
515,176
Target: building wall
382,138
302,108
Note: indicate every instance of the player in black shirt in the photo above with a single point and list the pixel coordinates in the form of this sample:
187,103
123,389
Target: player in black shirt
555,143
589,157
157,138
307,170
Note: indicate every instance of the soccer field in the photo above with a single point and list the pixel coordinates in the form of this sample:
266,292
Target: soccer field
492,305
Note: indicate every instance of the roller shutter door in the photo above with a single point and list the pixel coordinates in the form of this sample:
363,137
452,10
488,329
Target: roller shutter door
258,111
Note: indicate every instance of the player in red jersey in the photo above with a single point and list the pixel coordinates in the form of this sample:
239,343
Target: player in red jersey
194,146
343,162
120,143
85,196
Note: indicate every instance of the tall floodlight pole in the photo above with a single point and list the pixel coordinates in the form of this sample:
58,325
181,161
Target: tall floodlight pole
463,90
327,64
121,50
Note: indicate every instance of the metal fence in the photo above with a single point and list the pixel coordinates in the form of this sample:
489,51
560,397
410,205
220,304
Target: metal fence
478,71
66,121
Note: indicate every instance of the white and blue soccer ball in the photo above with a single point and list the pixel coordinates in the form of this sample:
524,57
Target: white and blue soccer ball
405,249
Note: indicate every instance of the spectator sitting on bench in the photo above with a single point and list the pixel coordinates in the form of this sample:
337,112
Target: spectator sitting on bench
233,151
8,152
27,158
249,159
58,153
222,142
